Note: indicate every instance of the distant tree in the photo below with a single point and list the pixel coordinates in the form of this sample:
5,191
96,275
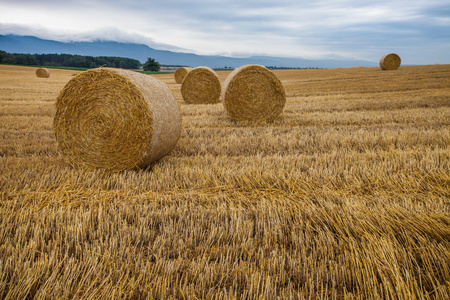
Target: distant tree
2,55
151,65
68,60
19,59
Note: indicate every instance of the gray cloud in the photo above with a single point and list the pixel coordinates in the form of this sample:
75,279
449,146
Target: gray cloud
295,28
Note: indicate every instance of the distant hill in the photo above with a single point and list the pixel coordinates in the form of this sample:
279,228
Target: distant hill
34,45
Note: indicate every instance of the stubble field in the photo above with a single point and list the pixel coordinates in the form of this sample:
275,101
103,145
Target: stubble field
345,196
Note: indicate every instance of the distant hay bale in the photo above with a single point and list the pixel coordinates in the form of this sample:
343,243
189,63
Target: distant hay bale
42,73
116,120
180,73
201,86
253,93
390,61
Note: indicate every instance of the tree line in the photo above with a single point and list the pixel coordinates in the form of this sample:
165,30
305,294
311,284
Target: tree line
68,60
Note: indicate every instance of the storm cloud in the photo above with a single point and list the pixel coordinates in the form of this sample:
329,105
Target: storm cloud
416,30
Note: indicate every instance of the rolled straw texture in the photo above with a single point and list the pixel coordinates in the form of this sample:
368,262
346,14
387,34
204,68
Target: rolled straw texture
42,73
115,119
390,61
253,93
180,73
200,86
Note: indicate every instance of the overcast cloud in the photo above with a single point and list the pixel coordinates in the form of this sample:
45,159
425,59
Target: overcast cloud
419,31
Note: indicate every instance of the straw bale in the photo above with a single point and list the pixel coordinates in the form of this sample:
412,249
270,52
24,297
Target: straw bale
115,119
201,86
42,73
390,61
253,93
180,73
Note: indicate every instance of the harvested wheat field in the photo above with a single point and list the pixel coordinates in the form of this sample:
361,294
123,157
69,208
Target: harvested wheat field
346,195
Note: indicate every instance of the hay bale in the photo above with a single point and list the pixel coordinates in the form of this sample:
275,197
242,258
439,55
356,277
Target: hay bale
42,73
253,93
390,61
115,119
200,86
180,73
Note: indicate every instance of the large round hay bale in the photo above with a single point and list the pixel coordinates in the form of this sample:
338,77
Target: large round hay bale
42,73
390,61
253,93
200,86
115,119
180,73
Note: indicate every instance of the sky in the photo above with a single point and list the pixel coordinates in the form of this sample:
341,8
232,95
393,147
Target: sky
418,31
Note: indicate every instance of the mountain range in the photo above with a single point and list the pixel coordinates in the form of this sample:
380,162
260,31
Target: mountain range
141,52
